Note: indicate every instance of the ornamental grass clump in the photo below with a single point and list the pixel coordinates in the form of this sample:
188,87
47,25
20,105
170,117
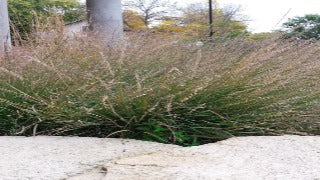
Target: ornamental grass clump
160,90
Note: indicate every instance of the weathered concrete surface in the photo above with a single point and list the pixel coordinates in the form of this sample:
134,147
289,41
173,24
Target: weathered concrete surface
61,157
105,18
286,157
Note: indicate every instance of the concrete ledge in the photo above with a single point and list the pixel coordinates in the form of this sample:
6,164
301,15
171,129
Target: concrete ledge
284,157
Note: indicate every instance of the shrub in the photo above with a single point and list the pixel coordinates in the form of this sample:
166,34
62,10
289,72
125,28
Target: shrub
151,89
26,15
305,27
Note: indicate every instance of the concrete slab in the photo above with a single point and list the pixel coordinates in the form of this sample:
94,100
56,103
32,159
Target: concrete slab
283,157
63,157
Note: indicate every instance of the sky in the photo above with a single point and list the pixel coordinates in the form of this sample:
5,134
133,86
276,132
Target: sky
265,15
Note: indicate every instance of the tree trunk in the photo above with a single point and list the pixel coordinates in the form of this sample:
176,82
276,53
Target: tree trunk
105,18
5,39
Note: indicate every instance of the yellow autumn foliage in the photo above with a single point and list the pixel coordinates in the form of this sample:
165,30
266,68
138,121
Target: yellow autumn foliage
195,26
133,21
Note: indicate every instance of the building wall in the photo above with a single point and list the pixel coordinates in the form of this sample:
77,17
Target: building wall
76,28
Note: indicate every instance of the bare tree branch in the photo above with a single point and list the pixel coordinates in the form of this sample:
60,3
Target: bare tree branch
150,9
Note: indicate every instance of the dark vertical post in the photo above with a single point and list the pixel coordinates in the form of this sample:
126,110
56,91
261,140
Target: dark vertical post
210,20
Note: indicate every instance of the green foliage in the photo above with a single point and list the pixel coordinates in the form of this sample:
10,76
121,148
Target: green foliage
305,27
26,14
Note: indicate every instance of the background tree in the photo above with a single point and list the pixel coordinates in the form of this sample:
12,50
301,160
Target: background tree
150,10
133,21
193,23
224,20
24,12
305,27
